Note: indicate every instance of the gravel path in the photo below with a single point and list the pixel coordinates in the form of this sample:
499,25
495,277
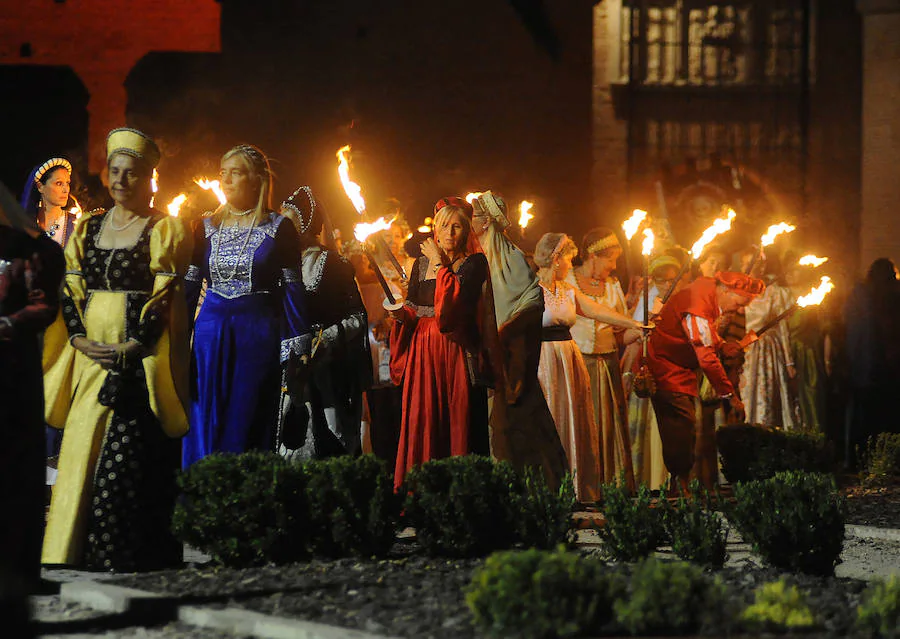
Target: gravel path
414,596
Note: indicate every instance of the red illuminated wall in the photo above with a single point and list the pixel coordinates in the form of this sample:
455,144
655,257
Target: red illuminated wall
101,40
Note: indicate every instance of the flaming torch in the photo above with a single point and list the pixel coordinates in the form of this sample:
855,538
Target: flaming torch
154,186
768,239
471,197
632,224
813,298
354,192
644,384
525,216
812,260
212,185
719,226
75,210
361,232
174,207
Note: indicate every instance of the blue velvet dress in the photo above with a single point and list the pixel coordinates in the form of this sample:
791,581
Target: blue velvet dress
254,301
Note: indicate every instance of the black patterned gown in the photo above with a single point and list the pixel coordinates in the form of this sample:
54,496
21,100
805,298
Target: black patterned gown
114,495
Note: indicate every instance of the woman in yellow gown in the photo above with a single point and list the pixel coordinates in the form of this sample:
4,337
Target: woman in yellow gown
115,371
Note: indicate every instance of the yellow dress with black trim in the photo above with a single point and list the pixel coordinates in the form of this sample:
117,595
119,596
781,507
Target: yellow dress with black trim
145,284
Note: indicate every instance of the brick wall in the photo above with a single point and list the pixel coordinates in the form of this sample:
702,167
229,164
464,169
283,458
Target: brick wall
880,229
101,41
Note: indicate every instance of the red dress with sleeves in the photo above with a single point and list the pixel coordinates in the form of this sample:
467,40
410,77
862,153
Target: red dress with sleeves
432,347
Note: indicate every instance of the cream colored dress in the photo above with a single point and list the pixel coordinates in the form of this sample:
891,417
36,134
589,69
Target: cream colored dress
566,385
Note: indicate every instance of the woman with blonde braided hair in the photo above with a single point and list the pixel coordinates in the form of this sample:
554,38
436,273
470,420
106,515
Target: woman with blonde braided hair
255,308
563,375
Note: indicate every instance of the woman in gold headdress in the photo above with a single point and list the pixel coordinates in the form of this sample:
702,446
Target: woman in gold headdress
116,377
598,342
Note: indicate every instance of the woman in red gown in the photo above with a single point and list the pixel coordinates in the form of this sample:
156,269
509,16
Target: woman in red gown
437,350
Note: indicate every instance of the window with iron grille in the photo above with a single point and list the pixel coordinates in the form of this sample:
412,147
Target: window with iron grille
701,43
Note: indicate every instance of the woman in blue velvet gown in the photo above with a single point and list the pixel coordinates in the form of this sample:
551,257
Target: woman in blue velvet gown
254,300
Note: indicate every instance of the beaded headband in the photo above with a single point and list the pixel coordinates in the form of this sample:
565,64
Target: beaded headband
52,163
603,243
134,143
257,157
559,247
289,204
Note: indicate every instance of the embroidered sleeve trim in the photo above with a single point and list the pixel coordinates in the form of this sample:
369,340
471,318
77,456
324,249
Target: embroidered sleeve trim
300,345
290,275
193,274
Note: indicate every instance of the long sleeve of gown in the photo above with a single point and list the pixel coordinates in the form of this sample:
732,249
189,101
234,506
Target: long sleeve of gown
197,270
296,332
704,341
457,296
349,320
170,254
75,289
402,329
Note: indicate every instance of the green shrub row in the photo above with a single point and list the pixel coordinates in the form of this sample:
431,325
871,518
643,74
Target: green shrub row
795,522
881,460
257,508
535,594
543,594
750,453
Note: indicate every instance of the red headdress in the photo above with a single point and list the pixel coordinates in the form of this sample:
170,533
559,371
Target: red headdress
458,202
741,283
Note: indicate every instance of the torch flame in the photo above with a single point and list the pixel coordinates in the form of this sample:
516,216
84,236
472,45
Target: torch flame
647,244
174,207
774,231
632,224
351,188
524,216
364,229
812,260
816,295
718,227
470,197
75,210
212,185
154,186
424,229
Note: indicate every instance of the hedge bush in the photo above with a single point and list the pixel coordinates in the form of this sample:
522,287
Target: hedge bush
881,461
353,508
460,506
543,516
632,529
751,453
879,613
671,597
776,607
794,520
541,594
697,531
243,510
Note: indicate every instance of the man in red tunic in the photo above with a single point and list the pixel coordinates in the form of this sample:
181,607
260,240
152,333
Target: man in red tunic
685,341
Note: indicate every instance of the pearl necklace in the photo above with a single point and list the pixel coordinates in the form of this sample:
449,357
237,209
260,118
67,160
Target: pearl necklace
124,226
237,262
241,213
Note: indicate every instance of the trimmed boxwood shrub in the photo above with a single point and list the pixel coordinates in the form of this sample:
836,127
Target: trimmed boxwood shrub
757,452
543,516
671,598
353,508
537,594
879,613
697,531
243,510
794,520
632,529
462,506
776,607
881,461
